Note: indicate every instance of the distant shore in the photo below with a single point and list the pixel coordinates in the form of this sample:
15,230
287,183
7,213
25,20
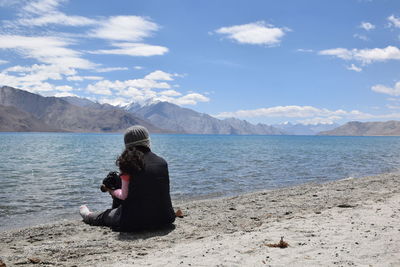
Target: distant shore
346,222
182,133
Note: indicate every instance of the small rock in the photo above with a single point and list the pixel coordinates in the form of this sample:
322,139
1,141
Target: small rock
34,260
142,253
345,206
2,264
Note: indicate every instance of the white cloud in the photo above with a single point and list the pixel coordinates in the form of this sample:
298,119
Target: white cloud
309,113
133,49
57,18
170,93
354,68
31,83
319,120
395,91
125,28
393,21
305,50
34,78
393,106
50,50
54,55
257,33
99,88
365,56
111,69
36,73
138,67
82,78
57,60
65,94
146,84
140,95
367,26
104,87
3,62
338,52
144,90
377,54
159,75
64,88
42,6
306,112
46,71
45,12
190,99
282,111
389,116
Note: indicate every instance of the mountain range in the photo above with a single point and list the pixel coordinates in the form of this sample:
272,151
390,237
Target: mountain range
57,113
24,111
173,117
356,128
305,129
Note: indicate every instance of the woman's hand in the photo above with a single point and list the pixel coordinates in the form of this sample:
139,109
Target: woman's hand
110,191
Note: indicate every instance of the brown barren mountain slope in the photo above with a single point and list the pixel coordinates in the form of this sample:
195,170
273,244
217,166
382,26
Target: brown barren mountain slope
355,128
15,120
60,114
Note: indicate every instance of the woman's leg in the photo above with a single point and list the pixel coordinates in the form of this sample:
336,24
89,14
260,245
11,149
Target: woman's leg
109,217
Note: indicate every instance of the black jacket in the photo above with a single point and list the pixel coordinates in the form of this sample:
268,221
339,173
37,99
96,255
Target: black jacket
148,205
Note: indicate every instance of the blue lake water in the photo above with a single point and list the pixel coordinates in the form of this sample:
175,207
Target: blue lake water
45,177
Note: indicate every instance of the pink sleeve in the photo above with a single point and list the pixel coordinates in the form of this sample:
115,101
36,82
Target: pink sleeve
123,192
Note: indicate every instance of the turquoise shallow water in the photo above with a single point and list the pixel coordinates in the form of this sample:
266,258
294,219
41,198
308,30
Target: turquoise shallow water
47,176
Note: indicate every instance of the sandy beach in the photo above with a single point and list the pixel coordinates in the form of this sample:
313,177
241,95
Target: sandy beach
352,222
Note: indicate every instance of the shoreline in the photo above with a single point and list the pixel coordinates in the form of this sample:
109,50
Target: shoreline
180,201
344,222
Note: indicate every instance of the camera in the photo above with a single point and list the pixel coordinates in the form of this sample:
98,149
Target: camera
112,181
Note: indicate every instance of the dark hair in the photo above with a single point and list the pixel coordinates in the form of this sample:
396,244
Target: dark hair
130,161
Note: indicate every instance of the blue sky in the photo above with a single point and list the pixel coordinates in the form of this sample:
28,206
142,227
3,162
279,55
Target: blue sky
264,61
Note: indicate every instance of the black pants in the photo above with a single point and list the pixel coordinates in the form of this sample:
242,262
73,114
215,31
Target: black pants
110,217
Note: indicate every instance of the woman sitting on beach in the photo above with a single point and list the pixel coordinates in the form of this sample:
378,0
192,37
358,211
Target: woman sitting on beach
145,189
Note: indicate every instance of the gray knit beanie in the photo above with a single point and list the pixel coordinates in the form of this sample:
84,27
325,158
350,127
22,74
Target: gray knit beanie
137,135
